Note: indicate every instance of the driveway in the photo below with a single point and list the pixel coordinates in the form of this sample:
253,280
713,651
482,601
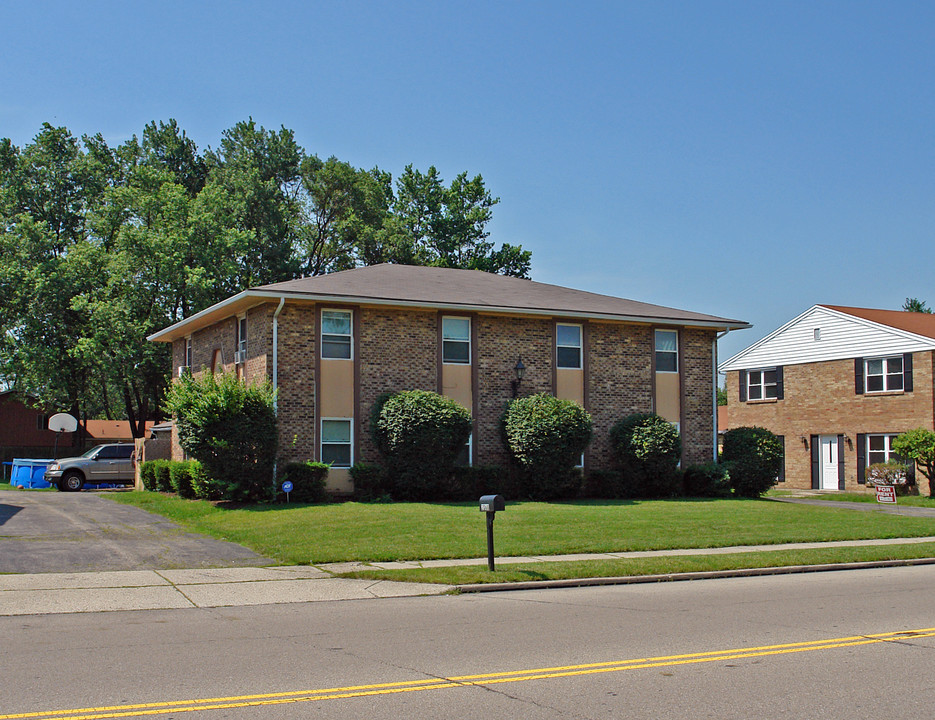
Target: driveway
43,532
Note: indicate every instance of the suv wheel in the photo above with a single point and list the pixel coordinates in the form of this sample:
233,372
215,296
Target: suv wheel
72,481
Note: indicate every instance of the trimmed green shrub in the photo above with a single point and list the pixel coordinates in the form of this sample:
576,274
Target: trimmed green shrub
707,480
420,434
148,475
469,483
204,485
648,449
753,456
230,428
545,437
162,481
308,481
371,483
180,478
612,484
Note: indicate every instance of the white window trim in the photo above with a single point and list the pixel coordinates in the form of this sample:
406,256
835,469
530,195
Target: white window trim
762,384
470,354
189,355
321,442
579,347
888,452
885,359
322,333
242,331
678,360
470,447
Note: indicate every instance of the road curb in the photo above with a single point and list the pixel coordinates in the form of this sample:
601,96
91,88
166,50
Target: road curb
677,577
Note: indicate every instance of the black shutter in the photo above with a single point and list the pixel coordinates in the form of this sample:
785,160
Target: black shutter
779,391
742,379
840,462
907,372
861,458
911,472
859,376
816,458
782,465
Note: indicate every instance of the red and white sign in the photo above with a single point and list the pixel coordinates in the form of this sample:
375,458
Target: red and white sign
886,494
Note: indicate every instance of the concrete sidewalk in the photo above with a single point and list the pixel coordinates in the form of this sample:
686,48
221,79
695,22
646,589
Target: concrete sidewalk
53,593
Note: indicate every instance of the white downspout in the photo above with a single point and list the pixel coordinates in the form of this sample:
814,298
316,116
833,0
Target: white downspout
714,384
282,302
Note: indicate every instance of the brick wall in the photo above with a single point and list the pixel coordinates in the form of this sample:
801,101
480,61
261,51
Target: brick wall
501,341
620,380
697,400
819,399
397,350
296,374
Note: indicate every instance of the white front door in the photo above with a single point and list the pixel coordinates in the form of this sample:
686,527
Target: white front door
829,462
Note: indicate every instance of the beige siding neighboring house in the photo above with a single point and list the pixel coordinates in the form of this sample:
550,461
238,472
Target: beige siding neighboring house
837,384
332,344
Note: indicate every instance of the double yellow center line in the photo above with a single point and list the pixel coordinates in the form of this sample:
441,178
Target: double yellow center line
353,691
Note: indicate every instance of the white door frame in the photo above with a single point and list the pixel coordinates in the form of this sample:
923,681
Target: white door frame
828,462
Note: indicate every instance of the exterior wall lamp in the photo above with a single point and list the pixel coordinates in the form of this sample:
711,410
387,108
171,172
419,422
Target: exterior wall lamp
804,441
520,370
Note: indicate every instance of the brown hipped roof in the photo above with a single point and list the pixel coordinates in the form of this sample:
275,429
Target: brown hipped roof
474,289
914,322
447,289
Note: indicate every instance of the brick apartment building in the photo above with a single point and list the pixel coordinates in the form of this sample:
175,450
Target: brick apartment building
332,344
837,384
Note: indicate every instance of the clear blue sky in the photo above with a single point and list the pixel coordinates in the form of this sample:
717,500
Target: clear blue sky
746,159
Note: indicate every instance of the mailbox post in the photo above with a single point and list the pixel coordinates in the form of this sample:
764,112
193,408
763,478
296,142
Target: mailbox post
490,504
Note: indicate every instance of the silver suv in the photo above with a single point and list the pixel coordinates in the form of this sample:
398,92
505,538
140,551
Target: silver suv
112,464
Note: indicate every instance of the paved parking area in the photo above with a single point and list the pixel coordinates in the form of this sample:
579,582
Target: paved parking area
52,532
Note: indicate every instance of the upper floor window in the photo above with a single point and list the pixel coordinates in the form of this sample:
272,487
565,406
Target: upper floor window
883,374
456,340
336,334
242,335
761,384
667,351
568,346
188,352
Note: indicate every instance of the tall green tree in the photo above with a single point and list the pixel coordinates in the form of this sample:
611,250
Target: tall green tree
916,305
100,246
446,226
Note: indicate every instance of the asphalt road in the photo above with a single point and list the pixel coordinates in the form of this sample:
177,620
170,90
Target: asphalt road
43,532
834,645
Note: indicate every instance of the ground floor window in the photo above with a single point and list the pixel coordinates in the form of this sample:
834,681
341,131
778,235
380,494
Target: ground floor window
880,449
336,442
464,457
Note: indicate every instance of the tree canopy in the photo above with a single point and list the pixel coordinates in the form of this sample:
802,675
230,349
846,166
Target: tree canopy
102,245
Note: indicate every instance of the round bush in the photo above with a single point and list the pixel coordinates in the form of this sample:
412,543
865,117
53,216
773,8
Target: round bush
753,456
648,449
420,434
545,437
230,428
308,481
707,480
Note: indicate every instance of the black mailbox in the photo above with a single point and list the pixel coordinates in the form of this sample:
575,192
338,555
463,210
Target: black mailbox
492,503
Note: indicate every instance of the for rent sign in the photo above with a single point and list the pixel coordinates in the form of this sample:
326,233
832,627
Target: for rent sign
886,494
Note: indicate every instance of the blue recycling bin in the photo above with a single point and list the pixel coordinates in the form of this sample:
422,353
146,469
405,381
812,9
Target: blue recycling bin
28,473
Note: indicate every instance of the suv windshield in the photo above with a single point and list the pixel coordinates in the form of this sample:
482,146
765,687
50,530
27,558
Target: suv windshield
91,452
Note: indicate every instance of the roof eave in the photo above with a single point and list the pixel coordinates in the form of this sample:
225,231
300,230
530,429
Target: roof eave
184,327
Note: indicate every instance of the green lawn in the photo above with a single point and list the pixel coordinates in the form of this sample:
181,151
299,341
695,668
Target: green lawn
523,572
298,534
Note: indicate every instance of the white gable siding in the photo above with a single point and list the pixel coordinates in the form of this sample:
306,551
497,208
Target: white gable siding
842,336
